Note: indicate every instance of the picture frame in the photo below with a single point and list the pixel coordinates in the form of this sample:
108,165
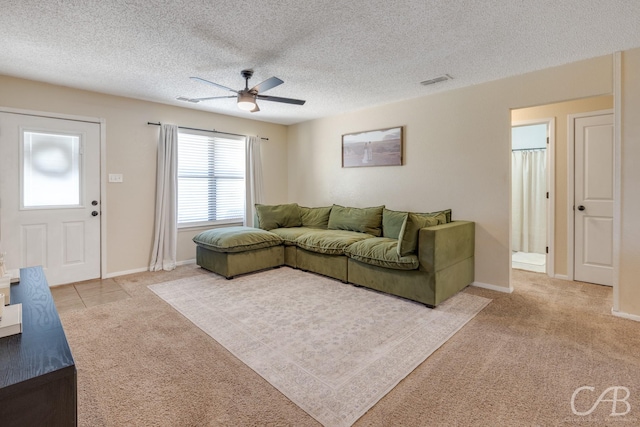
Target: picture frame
379,147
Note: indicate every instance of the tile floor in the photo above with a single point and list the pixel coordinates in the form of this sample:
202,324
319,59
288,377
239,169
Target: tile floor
80,295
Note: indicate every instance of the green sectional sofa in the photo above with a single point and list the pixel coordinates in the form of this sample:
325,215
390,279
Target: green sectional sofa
424,257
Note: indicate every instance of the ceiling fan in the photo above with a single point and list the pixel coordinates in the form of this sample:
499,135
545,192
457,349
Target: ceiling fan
247,97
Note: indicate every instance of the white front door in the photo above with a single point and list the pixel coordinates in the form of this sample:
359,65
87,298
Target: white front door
593,207
50,196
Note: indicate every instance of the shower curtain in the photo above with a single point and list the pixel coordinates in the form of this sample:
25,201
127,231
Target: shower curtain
529,231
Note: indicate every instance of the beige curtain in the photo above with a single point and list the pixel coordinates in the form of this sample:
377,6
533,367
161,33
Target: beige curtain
529,203
253,179
163,256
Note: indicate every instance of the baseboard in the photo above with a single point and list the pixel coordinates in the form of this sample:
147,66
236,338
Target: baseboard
561,276
623,315
124,273
493,287
142,270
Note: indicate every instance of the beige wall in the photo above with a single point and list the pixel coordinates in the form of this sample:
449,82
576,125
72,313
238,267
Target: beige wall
629,271
131,151
559,112
457,151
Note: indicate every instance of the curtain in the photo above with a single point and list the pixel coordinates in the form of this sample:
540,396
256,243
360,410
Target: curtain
529,204
254,187
163,256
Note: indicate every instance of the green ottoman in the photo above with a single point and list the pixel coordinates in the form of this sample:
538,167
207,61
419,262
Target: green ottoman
230,251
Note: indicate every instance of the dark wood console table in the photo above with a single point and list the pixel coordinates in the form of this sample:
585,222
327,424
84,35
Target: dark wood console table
37,371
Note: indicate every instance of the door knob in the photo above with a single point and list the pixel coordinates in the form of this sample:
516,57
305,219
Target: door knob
581,208
94,213
94,203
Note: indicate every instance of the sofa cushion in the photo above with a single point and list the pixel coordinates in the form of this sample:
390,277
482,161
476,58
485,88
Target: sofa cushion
330,242
408,242
236,239
443,217
291,234
382,251
393,222
315,217
363,220
278,216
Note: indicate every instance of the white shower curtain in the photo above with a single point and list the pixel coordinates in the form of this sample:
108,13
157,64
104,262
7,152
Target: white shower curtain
529,168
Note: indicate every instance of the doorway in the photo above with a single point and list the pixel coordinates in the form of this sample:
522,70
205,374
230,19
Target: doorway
529,185
50,190
560,170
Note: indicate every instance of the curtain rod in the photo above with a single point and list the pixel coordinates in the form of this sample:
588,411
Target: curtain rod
205,130
529,149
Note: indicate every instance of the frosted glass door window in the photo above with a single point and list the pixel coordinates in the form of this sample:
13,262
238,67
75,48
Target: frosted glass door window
51,166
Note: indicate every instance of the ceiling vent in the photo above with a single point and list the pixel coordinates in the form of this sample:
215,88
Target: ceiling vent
442,78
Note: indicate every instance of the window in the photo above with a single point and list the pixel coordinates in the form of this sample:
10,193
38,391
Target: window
211,170
51,169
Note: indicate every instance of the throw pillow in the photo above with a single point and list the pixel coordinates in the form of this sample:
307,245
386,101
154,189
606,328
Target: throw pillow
277,216
363,220
408,240
392,223
315,217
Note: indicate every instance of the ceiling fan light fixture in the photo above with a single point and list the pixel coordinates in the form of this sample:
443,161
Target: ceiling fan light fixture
246,101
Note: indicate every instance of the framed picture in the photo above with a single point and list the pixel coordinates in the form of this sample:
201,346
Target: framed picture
381,147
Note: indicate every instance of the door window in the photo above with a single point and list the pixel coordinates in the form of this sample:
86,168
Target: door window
51,168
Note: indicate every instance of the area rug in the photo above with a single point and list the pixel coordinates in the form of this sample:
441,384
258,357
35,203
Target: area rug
331,348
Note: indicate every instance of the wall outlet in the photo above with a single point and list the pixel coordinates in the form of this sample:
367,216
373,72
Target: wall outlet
115,177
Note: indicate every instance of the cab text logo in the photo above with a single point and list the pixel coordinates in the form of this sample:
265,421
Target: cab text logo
617,396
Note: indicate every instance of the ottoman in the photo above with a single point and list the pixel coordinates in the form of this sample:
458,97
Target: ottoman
230,251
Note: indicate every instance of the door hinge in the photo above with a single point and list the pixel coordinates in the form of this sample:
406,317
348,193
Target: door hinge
547,194
547,140
547,249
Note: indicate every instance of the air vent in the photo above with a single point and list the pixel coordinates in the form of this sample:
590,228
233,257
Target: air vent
182,98
442,78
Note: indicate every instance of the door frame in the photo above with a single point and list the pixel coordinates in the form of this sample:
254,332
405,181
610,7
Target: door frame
551,185
103,167
571,119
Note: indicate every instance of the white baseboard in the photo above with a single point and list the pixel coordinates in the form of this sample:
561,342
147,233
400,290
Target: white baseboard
561,276
141,270
123,273
493,287
625,315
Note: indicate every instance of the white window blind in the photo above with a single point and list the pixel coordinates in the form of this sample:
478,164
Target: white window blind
211,171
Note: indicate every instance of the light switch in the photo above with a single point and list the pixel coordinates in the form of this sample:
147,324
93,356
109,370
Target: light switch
115,177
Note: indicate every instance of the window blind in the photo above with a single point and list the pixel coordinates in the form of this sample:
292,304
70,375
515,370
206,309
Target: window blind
211,178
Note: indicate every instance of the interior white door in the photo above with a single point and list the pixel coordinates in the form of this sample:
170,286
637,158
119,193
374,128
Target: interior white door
50,195
593,204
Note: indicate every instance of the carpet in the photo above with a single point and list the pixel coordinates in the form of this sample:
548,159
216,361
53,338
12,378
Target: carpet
332,349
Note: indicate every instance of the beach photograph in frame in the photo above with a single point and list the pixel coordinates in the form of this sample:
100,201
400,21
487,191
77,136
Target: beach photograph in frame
381,147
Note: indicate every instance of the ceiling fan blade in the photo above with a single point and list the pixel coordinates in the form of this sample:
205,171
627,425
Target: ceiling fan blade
196,100
278,99
270,83
212,83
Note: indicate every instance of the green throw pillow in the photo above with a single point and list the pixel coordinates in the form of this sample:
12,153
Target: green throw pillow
363,220
278,216
393,222
408,241
315,217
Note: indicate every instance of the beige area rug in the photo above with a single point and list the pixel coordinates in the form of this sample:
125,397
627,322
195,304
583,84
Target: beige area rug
333,349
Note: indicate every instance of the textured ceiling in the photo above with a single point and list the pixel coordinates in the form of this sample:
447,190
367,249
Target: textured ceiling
339,56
